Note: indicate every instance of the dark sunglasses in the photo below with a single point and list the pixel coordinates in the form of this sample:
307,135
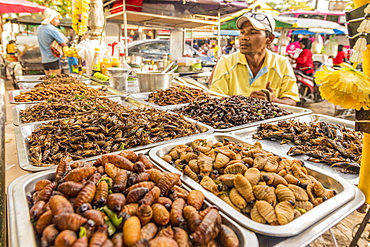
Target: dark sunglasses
258,17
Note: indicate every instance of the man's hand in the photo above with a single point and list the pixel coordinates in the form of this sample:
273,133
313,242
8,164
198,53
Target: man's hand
265,94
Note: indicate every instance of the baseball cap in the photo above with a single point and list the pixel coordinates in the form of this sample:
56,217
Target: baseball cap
49,15
259,20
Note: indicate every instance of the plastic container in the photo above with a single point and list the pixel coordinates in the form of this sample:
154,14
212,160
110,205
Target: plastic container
116,62
96,60
118,78
105,64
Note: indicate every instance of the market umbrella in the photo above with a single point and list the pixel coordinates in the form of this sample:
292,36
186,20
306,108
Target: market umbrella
20,6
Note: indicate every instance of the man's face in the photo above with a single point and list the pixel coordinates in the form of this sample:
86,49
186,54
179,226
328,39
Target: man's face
55,21
251,40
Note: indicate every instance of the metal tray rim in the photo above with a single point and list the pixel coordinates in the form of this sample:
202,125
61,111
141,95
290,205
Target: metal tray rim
22,150
16,190
293,228
31,84
137,97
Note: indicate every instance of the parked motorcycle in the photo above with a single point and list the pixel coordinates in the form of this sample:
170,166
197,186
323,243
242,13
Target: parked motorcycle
307,88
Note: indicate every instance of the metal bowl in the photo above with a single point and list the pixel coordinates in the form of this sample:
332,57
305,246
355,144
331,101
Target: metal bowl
151,81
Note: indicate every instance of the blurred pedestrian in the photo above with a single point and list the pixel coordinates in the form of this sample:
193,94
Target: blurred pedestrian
46,34
340,58
304,61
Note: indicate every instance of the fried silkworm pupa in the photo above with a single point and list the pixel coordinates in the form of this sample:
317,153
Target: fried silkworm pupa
145,213
146,184
43,221
62,168
45,193
81,242
151,197
228,237
136,194
37,210
94,215
49,235
256,216
148,231
120,181
205,211
111,170
60,204
94,178
168,181
86,195
266,210
237,199
69,221
131,231
65,238
244,187
139,167
165,201
129,154
283,193
135,178
180,192
226,199
148,164
100,198
192,217
176,214
166,232
41,184
160,214
208,229
284,212
167,158
181,237
130,209
70,188
116,201
141,243
190,173
155,175
79,174
210,185
99,237
118,161
84,207
117,239
196,199
163,242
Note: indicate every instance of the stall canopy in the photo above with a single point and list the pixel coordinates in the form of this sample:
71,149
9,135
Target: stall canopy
20,6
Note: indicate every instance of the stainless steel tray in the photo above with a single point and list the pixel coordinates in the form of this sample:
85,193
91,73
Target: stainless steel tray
23,131
31,84
297,111
344,189
22,230
282,149
141,97
16,109
108,90
36,78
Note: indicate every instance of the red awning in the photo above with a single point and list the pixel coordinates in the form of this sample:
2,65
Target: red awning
20,6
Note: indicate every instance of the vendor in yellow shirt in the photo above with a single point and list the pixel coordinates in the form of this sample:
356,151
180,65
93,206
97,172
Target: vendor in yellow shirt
254,69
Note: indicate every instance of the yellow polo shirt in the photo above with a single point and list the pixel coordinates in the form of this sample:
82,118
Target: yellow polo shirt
232,76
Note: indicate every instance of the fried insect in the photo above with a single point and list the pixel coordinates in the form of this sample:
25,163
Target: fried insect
284,212
131,231
139,167
181,237
81,242
65,239
60,204
116,201
228,237
155,175
299,193
130,155
205,164
86,195
208,229
137,178
244,187
227,179
45,193
265,192
237,199
190,173
117,239
291,179
118,161
111,170
163,242
300,175
253,175
130,209
283,193
136,194
148,164
99,237
192,217
256,216
37,210
267,212
167,158
166,232
195,199
145,213
94,215
79,174
210,185
161,216
320,191
62,168
226,199
43,221
148,231
120,181
151,197
70,188
180,192
221,161
176,214
100,198
235,169
168,181
41,184
49,235
272,164
146,184
305,205
69,221
165,201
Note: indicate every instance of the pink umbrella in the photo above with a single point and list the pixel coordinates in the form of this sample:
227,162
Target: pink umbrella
20,6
